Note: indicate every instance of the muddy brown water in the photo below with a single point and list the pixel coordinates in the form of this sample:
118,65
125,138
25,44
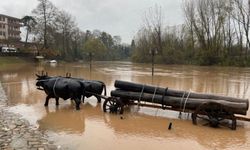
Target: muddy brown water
141,128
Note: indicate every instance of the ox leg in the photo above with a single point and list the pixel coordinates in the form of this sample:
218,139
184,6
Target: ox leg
47,101
83,97
78,102
99,100
57,101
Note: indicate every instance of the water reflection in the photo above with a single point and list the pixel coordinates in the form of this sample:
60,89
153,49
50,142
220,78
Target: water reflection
63,120
157,127
66,119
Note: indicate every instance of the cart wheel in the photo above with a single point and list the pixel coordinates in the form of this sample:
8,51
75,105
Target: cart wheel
113,105
214,113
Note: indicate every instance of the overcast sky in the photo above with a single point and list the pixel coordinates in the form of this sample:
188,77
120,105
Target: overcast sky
117,17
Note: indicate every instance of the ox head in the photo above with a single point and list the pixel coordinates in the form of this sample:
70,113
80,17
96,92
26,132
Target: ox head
41,80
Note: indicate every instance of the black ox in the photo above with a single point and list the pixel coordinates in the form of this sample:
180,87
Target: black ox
93,88
66,87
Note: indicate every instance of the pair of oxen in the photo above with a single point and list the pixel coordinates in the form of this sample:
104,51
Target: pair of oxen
69,88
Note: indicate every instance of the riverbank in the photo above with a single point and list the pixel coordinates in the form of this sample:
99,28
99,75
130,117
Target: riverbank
12,60
17,134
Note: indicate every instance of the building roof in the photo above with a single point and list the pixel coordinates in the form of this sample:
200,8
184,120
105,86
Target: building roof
10,17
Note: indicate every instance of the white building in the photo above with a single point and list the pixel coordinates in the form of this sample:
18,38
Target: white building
9,30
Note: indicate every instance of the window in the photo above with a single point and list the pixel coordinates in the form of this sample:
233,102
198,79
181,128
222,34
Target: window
2,26
2,18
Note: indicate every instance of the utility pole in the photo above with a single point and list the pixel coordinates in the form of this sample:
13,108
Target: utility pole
90,60
153,52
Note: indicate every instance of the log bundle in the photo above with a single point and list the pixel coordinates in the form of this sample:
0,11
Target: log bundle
176,98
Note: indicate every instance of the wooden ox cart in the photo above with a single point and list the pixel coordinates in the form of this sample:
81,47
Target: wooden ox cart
213,109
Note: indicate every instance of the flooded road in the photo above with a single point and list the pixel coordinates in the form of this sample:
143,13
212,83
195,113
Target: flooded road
141,128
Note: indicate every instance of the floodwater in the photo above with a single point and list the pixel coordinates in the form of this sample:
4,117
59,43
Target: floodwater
141,128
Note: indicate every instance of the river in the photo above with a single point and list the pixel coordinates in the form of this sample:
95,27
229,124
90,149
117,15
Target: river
142,128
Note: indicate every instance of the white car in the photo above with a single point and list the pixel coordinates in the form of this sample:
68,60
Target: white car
53,61
9,50
5,49
12,50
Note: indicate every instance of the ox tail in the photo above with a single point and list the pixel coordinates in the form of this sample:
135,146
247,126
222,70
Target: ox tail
83,88
104,87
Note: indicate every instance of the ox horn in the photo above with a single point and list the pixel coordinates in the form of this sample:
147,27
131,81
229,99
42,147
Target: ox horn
68,75
38,75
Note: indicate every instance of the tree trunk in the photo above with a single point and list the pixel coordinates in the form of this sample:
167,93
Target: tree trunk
178,102
134,87
26,39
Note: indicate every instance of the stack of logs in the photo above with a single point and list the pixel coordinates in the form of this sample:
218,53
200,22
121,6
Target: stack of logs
175,98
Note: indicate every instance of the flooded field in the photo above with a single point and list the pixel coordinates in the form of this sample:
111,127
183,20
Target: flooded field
141,128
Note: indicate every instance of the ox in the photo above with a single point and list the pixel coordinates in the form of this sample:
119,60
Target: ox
62,87
93,88
67,87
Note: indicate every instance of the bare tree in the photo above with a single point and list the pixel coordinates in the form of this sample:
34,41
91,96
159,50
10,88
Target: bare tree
29,22
242,15
154,25
142,44
239,33
77,41
65,24
45,14
189,13
205,20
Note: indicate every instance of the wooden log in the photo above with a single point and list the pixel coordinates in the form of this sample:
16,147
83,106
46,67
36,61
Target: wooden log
135,87
177,102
